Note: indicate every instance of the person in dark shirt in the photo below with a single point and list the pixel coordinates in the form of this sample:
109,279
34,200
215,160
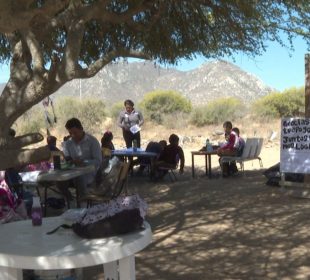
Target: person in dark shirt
106,141
171,154
153,147
51,143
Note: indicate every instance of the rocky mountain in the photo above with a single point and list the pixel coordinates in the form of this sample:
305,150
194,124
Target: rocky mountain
212,80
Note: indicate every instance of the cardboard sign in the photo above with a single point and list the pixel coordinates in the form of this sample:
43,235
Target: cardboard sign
295,145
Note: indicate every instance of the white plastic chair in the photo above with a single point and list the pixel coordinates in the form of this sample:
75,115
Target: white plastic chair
251,151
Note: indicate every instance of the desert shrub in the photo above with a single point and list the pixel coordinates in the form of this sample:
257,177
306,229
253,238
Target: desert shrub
289,103
32,121
176,120
91,112
157,104
116,109
217,111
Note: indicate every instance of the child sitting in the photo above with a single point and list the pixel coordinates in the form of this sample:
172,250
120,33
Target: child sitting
230,148
170,155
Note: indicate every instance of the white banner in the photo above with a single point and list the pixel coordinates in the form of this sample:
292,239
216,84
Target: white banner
295,145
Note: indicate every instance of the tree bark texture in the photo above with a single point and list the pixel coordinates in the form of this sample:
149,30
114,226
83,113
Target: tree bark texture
307,85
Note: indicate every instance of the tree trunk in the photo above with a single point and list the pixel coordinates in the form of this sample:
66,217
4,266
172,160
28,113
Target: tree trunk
307,85
307,100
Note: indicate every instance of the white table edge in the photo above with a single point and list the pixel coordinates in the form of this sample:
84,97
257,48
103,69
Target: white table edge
78,261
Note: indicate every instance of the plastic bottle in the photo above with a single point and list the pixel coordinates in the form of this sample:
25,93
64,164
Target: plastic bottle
134,145
208,146
36,212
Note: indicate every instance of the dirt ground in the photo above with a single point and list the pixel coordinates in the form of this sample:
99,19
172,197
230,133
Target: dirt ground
222,228
236,228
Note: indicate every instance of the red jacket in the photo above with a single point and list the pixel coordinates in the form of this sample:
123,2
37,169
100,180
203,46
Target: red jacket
232,142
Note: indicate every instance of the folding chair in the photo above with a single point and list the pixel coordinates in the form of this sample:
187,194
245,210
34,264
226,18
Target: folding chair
111,191
170,170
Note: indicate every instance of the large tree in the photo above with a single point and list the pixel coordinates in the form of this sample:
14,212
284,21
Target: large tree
50,42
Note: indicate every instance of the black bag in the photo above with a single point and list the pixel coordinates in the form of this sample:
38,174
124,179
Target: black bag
121,215
123,222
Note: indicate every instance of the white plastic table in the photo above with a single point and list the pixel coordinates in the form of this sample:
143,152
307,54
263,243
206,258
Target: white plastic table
45,178
56,175
23,246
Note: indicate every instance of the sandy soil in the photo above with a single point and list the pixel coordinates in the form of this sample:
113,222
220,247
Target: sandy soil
235,228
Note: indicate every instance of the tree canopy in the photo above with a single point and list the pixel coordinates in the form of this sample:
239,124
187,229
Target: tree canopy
50,42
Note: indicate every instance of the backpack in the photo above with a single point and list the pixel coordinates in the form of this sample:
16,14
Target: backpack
121,215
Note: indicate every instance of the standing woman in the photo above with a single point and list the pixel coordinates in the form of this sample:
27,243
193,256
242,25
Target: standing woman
129,119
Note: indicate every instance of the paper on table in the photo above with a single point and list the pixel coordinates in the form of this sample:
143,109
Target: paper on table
135,128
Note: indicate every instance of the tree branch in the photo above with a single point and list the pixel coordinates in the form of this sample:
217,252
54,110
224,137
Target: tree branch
24,140
34,48
20,14
15,158
95,67
75,33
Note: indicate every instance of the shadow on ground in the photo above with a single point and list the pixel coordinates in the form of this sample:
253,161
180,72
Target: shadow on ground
235,228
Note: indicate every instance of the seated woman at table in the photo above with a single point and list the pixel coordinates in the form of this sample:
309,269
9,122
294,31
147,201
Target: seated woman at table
170,156
106,143
230,148
107,147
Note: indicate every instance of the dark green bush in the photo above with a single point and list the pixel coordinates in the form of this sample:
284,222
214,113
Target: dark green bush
289,103
157,104
217,111
91,112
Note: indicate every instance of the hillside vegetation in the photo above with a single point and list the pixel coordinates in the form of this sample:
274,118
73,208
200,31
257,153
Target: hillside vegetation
169,109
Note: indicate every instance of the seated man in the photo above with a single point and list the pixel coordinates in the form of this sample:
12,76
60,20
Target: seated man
170,155
79,148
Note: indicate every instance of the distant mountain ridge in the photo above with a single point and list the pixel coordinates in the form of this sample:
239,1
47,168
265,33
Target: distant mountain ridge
117,82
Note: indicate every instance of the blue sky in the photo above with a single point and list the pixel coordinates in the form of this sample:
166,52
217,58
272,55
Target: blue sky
278,67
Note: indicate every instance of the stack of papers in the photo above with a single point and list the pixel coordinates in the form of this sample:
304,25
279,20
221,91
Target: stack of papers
135,128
